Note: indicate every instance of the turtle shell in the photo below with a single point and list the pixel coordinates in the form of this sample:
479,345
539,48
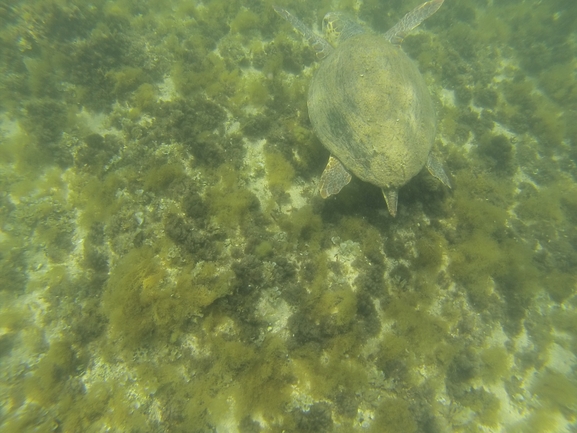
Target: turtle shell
370,107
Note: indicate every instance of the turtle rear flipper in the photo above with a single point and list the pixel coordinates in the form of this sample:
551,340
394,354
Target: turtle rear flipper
334,178
435,167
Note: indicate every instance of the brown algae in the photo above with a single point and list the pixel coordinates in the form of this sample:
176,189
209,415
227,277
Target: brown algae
167,265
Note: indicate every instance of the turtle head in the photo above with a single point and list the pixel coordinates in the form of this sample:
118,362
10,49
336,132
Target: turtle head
338,26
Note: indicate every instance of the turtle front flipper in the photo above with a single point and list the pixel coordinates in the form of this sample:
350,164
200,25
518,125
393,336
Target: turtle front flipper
392,198
321,47
436,169
334,178
398,32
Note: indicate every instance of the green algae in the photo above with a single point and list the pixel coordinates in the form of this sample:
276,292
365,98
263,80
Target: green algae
496,364
280,172
231,204
430,248
161,177
542,420
557,391
164,263
485,405
52,373
394,415
263,249
137,290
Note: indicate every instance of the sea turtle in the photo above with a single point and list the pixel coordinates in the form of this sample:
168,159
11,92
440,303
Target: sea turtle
369,105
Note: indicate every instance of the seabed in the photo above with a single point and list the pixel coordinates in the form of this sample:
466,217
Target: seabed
167,264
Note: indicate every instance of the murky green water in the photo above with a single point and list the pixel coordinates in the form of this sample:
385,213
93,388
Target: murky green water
167,264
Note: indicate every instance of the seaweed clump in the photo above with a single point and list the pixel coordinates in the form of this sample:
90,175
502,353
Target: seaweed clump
198,125
498,151
142,306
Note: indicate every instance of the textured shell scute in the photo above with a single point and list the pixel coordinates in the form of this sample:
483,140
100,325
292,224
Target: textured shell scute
371,109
